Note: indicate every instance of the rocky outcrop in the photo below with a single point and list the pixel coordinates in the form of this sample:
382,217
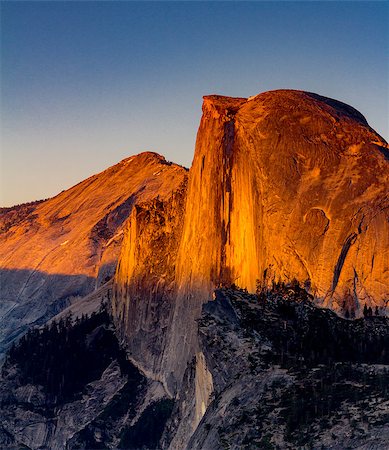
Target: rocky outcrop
78,391
59,250
290,375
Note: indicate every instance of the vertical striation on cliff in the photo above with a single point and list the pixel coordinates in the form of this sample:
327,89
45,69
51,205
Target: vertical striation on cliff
287,185
145,278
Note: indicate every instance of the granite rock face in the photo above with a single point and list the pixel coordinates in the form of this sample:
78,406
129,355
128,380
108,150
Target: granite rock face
61,249
288,185
144,283
284,185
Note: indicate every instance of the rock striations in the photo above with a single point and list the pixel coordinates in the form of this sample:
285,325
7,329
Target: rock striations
288,185
284,185
63,248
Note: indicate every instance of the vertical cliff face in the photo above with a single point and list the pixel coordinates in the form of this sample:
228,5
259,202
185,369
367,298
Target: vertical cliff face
287,185
283,185
145,278
202,260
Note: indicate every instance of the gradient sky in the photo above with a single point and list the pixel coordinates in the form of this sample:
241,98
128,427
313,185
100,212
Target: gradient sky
86,84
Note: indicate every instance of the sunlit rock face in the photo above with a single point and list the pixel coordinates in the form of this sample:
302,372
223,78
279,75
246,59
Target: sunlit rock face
284,185
287,185
68,245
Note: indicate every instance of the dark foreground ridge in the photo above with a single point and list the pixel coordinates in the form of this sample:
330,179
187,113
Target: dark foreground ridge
287,374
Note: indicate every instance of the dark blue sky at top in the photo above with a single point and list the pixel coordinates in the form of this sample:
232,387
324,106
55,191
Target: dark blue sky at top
85,84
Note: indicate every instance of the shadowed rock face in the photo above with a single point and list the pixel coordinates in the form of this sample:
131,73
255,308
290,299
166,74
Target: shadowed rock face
68,245
144,283
284,185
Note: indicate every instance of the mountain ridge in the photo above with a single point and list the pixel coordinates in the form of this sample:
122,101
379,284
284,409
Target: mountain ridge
77,233
285,187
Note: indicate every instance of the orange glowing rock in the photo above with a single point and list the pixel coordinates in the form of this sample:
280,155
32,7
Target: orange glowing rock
284,185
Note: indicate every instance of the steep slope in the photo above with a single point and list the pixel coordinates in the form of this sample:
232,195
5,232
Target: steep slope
284,185
65,247
144,283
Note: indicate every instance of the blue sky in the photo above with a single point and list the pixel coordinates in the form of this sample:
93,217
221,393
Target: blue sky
86,84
